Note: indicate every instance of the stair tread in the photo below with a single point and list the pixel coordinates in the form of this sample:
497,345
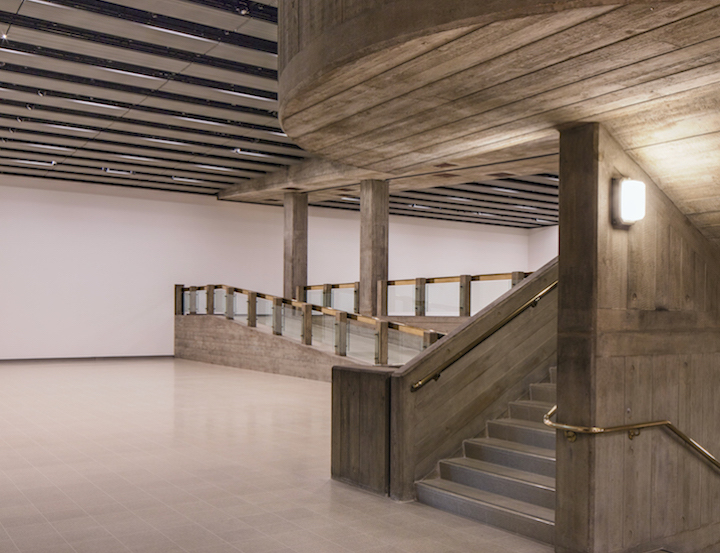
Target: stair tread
548,385
533,403
503,471
515,446
494,500
525,424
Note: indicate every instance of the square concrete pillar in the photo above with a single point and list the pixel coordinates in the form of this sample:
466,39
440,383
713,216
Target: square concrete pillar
296,243
374,217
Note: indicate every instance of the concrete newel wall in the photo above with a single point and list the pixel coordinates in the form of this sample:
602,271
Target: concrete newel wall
638,340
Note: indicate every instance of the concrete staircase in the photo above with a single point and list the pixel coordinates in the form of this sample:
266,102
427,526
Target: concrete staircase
506,479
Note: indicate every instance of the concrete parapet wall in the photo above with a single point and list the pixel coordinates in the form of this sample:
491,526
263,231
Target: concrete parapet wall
222,342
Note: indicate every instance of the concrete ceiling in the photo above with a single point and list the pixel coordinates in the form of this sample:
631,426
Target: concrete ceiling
497,88
182,96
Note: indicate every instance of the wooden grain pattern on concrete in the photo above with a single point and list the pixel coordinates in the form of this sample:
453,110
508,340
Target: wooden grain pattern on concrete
637,341
222,342
361,427
431,423
461,83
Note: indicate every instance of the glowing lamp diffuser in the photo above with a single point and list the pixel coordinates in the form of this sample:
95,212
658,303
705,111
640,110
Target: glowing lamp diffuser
629,201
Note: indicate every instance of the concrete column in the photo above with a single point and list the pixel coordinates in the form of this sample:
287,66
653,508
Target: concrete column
577,309
374,215
296,243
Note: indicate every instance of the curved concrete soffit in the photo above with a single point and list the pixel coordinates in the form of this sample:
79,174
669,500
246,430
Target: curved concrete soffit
335,45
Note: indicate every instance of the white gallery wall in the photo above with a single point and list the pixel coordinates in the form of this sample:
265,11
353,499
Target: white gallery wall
89,271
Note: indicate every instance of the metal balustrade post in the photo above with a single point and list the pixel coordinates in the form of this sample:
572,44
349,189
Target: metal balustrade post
381,342
465,300
210,291
382,298
341,333
252,309
192,309
306,333
356,298
327,295
179,299
420,296
229,302
277,311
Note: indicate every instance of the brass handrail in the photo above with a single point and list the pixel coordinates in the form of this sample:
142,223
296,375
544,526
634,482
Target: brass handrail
528,304
571,431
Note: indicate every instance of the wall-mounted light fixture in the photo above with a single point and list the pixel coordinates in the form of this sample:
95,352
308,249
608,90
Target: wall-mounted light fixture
628,202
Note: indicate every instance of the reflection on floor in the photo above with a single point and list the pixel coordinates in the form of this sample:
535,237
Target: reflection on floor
170,456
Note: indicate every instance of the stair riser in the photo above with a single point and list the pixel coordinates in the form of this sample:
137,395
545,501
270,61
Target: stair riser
513,522
508,458
528,412
543,393
528,436
516,489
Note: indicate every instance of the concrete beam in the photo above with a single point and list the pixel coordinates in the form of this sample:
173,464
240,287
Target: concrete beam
313,174
374,218
296,243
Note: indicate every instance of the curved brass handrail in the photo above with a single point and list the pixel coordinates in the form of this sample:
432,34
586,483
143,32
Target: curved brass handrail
571,431
528,304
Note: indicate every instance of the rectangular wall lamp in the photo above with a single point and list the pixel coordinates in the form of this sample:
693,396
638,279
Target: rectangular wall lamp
628,202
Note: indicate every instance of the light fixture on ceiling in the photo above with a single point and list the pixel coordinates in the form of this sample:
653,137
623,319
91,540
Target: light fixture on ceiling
245,152
350,199
243,8
183,179
116,171
628,202
33,162
213,167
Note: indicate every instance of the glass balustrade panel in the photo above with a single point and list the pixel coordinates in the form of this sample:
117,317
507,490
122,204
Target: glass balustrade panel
401,300
314,297
186,302
402,346
292,322
323,329
484,292
361,342
202,301
343,299
264,312
241,307
442,299
219,301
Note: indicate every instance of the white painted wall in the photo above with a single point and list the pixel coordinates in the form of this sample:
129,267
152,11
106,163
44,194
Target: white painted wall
89,271
543,244
90,275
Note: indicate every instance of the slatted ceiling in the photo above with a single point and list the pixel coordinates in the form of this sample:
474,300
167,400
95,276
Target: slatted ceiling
465,202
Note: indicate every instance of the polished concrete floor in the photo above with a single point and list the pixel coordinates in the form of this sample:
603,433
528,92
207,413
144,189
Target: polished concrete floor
169,456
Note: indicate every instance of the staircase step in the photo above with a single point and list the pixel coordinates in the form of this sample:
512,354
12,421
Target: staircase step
546,391
529,410
522,431
516,484
512,454
500,511
553,375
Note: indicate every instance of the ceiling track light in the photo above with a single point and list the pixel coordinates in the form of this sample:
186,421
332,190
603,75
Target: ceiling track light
116,171
33,162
